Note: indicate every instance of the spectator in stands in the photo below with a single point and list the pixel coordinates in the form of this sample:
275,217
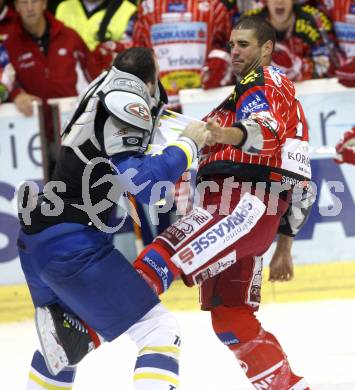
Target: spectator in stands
306,47
52,5
7,16
99,21
46,57
186,37
342,12
7,74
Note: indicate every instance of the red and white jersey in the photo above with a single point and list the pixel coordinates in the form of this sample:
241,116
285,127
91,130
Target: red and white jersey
267,96
342,13
182,33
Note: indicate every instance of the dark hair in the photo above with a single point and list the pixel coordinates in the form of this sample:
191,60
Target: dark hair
263,29
138,61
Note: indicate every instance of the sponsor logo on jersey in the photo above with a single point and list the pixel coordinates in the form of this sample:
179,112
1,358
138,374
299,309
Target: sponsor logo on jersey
138,110
204,6
345,31
190,32
155,261
228,338
180,231
299,157
255,102
220,235
295,157
215,268
174,7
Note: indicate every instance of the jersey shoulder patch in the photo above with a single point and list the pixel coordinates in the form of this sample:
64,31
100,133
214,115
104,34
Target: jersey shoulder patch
252,79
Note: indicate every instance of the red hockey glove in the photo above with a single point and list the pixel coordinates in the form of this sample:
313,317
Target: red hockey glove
346,73
345,148
217,71
105,53
288,62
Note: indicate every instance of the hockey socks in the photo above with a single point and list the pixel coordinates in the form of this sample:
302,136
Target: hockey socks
157,336
266,365
41,379
258,352
156,371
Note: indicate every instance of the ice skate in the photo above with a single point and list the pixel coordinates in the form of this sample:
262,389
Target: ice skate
64,339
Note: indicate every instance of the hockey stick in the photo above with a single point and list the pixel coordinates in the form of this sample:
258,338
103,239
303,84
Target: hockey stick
136,228
178,122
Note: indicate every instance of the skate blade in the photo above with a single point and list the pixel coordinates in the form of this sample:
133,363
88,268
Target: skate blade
53,353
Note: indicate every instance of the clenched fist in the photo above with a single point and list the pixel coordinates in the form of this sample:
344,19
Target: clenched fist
197,132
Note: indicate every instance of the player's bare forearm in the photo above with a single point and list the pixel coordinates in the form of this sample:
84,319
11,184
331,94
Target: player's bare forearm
281,265
284,243
224,135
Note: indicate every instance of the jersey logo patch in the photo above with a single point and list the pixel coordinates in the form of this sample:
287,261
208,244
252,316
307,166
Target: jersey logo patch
138,110
132,141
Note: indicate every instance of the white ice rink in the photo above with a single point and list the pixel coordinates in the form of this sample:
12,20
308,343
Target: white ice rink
319,338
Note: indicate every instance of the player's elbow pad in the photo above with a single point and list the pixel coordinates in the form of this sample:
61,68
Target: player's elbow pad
253,136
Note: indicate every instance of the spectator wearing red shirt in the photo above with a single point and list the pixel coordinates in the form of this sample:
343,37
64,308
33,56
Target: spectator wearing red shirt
45,55
7,16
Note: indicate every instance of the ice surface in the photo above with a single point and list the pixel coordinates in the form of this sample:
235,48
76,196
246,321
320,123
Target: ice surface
318,337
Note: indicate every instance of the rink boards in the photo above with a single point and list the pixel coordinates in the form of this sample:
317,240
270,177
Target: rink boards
311,282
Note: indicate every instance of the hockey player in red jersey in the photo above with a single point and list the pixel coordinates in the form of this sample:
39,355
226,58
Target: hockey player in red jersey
253,184
345,148
186,36
342,13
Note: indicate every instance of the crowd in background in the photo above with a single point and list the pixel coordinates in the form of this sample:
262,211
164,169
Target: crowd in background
53,50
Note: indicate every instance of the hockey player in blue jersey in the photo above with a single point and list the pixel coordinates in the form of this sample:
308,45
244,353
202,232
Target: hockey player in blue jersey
67,256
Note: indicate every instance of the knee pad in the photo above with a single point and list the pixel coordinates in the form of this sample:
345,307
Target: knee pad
157,336
155,266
